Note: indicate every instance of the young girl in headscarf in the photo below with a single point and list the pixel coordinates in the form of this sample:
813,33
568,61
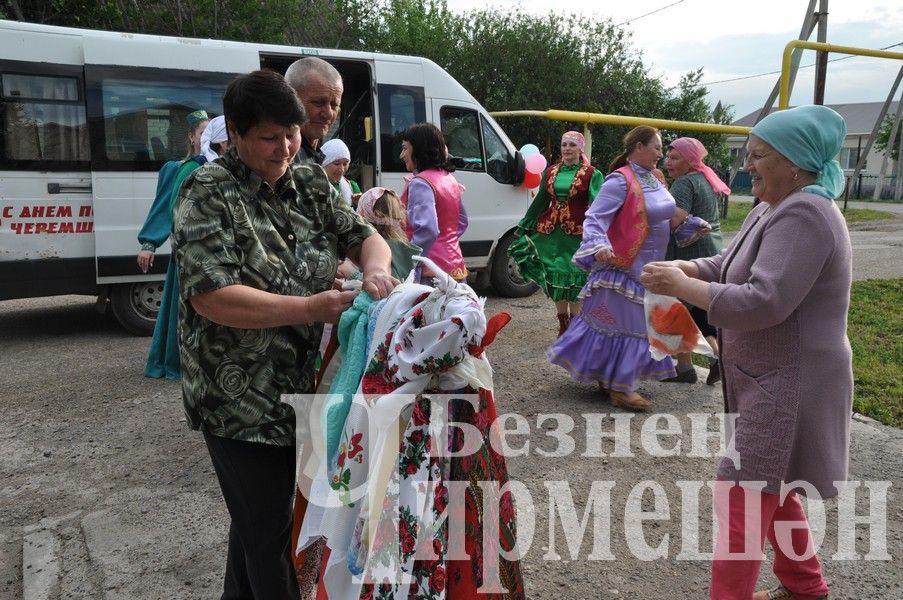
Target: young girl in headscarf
551,230
215,139
382,209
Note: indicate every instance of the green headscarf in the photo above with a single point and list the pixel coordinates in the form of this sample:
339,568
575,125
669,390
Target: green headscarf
196,117
809,137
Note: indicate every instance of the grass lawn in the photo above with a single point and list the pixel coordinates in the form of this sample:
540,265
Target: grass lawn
737,211
876,334
875,330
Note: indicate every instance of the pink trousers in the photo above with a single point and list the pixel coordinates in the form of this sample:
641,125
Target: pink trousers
735,568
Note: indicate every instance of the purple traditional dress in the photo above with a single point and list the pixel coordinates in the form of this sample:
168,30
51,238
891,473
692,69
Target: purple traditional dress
607,341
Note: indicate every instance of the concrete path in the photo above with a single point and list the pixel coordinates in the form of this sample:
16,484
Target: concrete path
106,495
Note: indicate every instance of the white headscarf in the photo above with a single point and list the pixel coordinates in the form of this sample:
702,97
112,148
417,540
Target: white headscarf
214,133
333,150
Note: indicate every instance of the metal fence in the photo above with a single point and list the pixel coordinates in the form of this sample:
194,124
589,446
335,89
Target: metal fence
863,187
742,182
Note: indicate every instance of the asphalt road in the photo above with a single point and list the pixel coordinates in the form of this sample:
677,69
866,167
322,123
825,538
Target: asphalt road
877,245
104,492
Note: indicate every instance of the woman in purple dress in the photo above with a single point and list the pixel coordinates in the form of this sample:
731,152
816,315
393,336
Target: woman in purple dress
626,226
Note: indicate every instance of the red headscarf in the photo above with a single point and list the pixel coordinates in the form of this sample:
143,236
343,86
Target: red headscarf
693,152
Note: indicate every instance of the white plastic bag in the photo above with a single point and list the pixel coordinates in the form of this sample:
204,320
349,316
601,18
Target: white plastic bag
671,329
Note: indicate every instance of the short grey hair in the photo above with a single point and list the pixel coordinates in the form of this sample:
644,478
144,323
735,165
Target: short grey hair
300,70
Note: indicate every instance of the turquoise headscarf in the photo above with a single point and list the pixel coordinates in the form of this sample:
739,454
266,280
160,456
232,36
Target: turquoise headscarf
809,137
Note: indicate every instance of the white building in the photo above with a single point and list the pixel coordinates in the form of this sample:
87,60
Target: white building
860,119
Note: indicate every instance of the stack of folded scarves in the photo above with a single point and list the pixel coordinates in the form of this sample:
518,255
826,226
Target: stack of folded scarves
419,341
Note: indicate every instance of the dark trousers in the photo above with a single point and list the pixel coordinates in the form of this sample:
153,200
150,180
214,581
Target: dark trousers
258,484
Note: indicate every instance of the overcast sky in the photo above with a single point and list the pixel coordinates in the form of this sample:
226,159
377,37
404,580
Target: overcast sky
731,39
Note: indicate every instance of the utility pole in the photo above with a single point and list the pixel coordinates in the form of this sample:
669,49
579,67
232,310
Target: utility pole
809,23
821,58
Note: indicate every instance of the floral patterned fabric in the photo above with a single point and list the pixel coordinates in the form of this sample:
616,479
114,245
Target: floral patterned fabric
426,342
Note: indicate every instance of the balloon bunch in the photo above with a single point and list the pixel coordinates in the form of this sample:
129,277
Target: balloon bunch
534,164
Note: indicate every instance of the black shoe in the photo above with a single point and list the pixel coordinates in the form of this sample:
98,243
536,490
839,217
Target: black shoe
683,377
714,373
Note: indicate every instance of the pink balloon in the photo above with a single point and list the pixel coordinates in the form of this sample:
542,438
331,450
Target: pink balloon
535,163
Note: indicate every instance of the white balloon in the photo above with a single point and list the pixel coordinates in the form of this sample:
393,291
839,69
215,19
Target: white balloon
528,150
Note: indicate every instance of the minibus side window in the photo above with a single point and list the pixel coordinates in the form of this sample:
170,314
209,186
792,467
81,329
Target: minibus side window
138,115
500,163
399,108
42,117
461,129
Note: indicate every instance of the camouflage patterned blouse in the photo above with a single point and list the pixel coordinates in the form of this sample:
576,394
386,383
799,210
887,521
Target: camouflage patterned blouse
229,228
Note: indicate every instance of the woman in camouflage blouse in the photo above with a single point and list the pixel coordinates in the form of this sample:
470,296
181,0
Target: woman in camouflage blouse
257,241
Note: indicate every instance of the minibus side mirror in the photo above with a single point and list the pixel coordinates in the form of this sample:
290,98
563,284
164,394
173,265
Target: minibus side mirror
517,167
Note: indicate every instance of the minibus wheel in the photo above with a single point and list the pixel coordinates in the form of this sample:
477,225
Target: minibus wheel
503,274
135,305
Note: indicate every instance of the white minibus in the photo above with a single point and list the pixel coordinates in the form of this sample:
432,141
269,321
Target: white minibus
88,117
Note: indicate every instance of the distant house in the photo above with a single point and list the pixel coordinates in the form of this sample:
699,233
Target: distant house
860,118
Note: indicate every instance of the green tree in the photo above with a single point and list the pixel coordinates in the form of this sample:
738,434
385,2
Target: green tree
417,27
687,102
520,61
882,138
311,22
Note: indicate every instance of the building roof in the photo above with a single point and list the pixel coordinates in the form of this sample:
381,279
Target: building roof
860,117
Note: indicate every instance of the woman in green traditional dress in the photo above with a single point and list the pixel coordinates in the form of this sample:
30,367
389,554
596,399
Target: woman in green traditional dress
163,355
551,231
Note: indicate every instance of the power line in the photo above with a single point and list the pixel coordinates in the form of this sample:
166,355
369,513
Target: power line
650,13
801,67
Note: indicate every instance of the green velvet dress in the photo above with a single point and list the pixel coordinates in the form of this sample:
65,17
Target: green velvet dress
163,360
403,254
694,194
546,258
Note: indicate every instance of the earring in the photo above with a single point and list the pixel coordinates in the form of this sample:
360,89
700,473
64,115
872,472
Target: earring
796,175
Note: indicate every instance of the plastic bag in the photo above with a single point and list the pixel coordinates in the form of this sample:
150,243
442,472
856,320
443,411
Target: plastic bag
671,329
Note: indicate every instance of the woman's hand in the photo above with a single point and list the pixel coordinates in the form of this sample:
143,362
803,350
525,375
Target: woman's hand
145,260
346,270
689,269
379,284
603,256
328,306
664,277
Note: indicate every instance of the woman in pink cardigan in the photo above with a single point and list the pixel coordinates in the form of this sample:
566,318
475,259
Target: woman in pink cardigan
779,296
432,198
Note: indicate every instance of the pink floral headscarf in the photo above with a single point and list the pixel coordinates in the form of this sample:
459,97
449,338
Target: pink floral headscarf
576,136
365,207
693,152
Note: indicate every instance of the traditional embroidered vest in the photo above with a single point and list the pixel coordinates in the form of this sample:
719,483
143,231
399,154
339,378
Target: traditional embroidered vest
445,251
570,212
630,227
